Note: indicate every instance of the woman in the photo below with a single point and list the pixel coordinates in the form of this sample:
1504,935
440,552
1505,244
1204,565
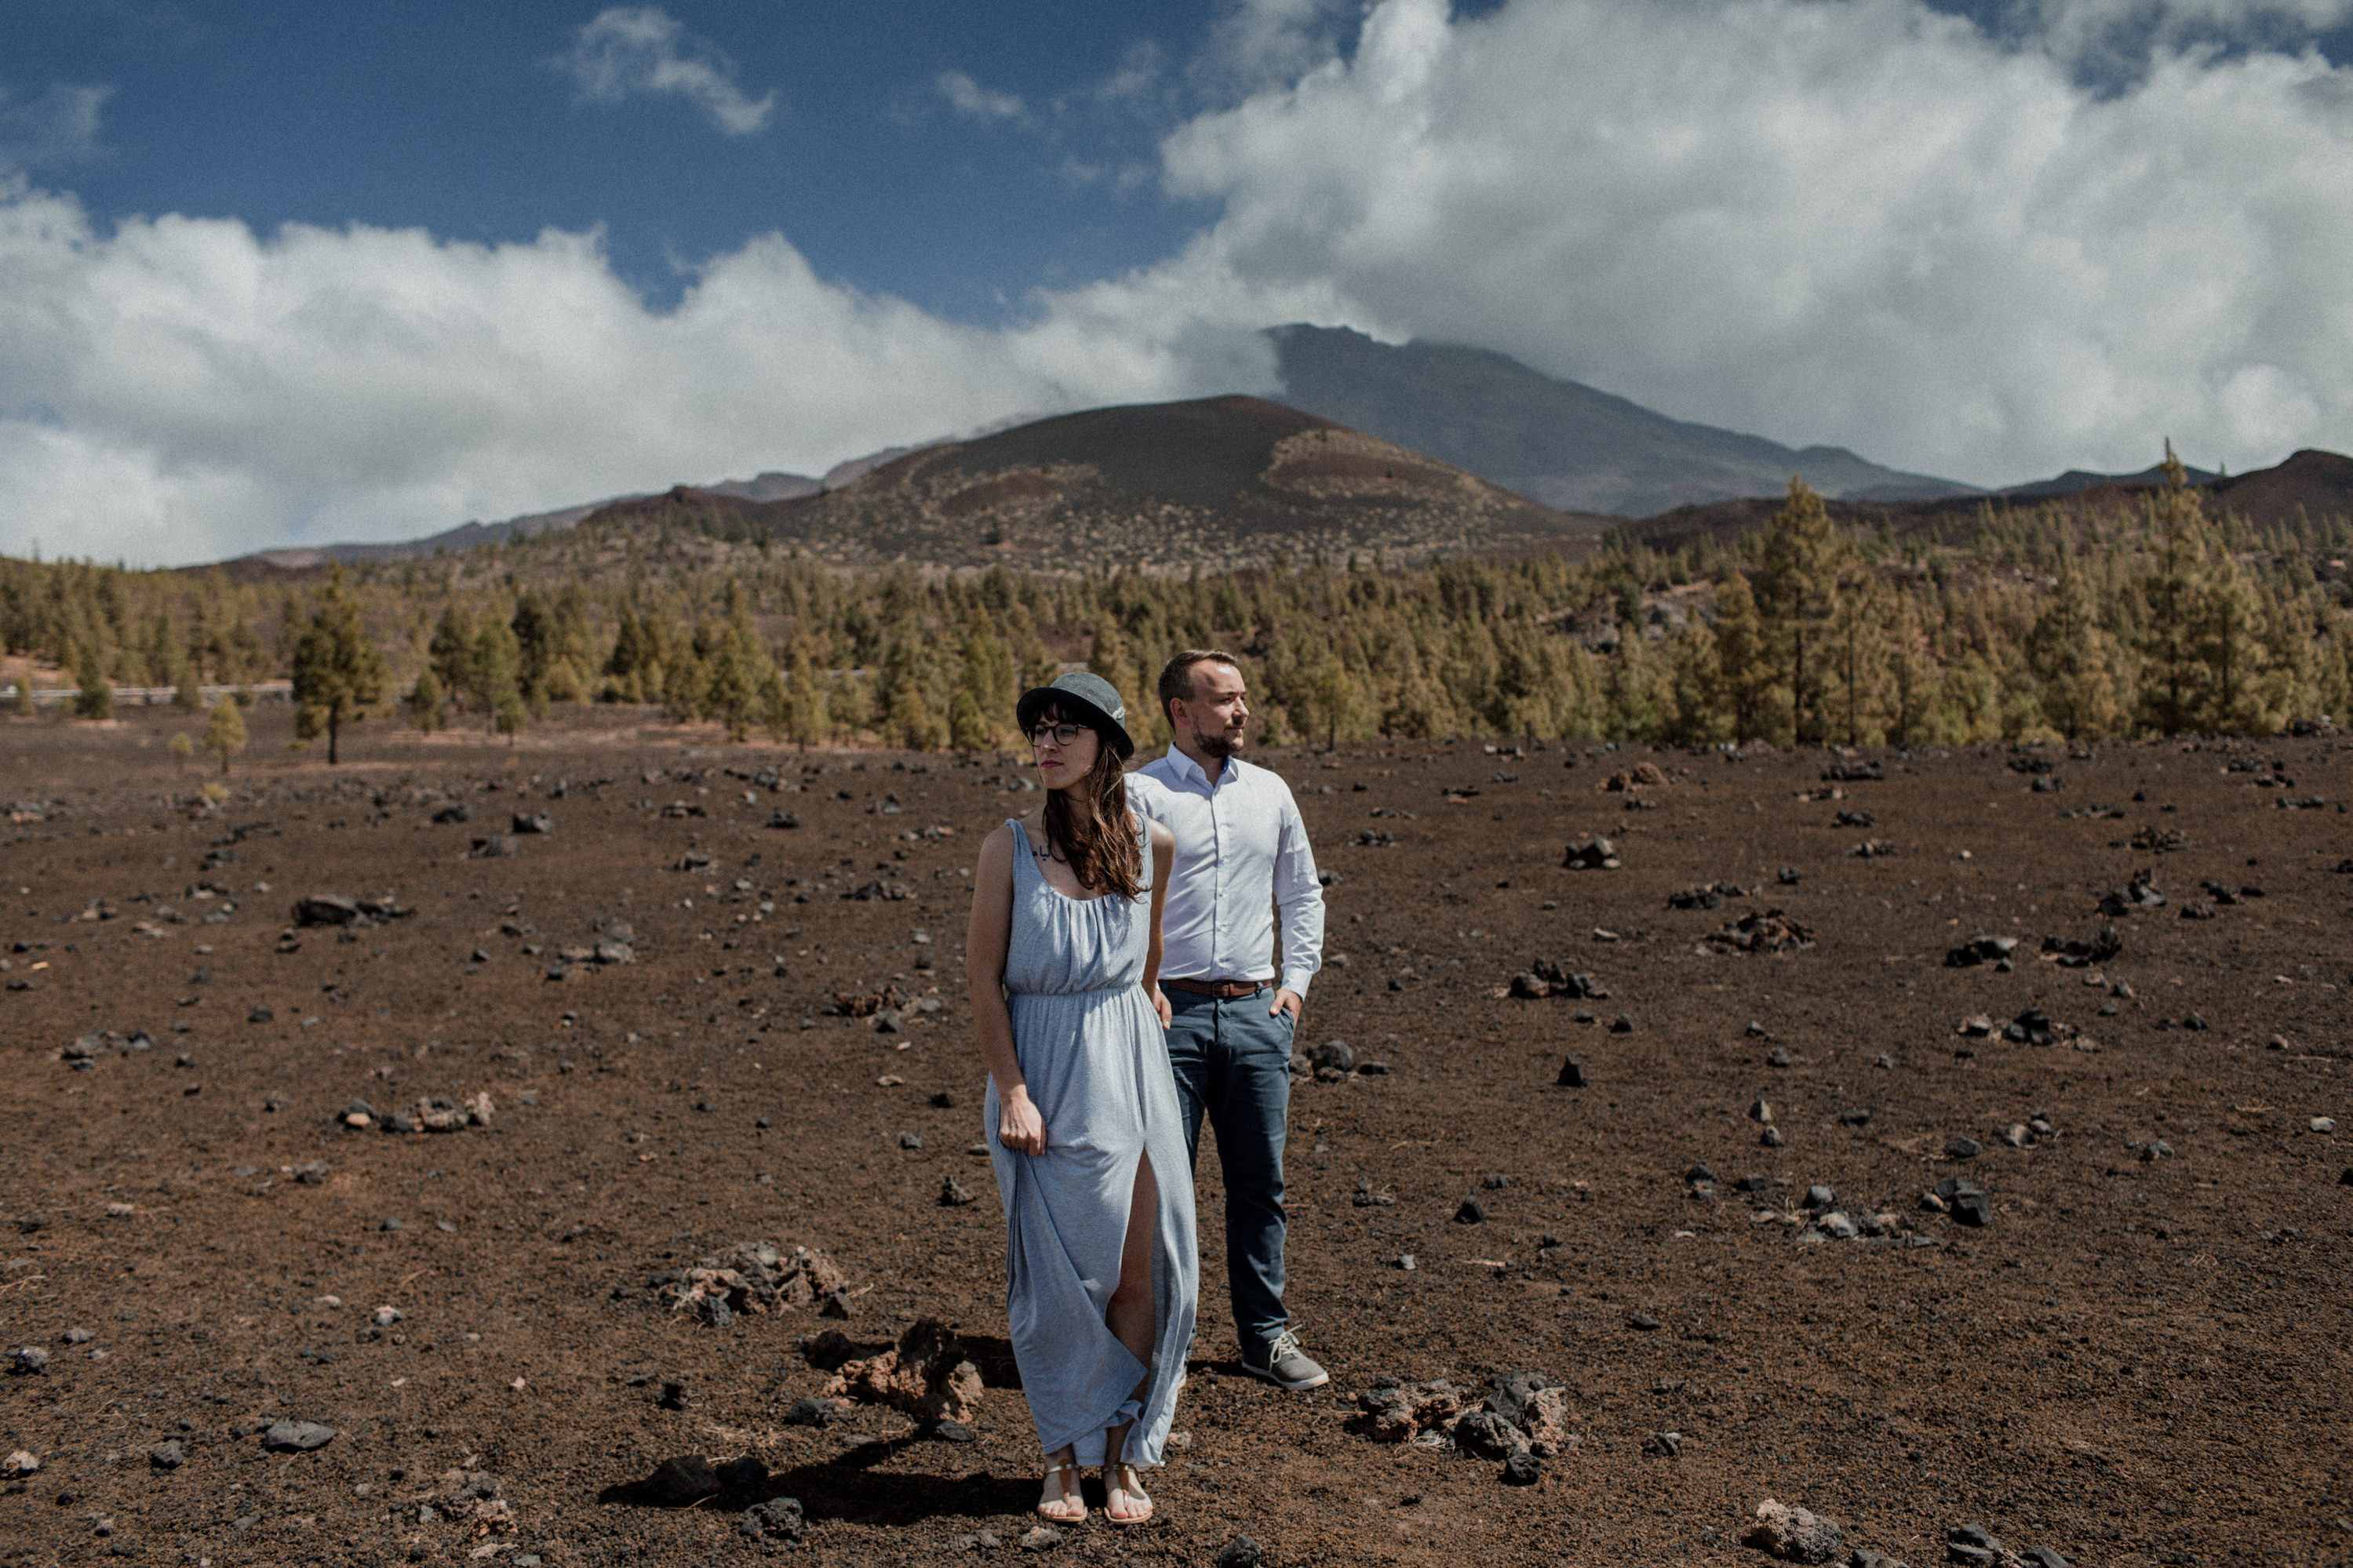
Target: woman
1082,1114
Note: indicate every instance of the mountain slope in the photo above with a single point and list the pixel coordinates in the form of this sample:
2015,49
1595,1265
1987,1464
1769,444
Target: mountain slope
1560,442
1217,482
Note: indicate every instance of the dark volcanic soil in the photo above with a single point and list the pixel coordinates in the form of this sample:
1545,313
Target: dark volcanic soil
2139,1360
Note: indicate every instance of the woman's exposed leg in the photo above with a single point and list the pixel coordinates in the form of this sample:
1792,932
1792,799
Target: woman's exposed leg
1131,1319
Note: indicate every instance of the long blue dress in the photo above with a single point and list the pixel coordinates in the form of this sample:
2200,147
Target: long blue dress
1096,1062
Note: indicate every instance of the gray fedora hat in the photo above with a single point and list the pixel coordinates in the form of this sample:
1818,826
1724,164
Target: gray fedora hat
1088,698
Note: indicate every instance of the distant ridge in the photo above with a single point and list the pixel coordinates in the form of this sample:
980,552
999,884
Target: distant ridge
1215,483
1559,442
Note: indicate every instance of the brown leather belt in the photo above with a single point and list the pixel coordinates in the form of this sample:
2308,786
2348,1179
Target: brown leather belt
1224,990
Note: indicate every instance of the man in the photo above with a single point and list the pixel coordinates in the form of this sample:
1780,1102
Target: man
1242,851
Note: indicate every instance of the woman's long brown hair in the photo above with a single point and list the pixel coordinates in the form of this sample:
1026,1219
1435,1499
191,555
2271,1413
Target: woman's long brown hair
1090,824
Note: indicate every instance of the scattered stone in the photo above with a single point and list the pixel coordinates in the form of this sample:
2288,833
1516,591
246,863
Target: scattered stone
2323,1124
950,1432
498,845
1769,930
1872,850
1589,852
22,1462
778,1519
1854,1116
533,822
334,910
1772,1138
1979,949
927,1375
1854,770
1522,1469
167,1454
1973,1544
1963,1148
1793,1535
1663,1445
1470,1212
953,1195
2199,911
1854,819
28,1361
1778,1058
461,812
2138,893
1488,1436
1867,1559
1623,1023
1788,877
1552,977
261,1015
1398,1412
1760,1111
2044,1557
686,1479
2035,1028
296,1436
1241,1552
1966,1201
1334,1056
1041,1538
1572,1074
757,1276
1642,1322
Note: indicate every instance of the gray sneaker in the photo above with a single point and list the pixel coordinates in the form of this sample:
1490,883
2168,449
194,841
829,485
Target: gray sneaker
1282,1363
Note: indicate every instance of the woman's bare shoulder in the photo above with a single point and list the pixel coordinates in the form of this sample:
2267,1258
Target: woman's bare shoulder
1163,840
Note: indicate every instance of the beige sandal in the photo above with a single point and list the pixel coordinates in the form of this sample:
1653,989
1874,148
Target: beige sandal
1134,1492
1071,1497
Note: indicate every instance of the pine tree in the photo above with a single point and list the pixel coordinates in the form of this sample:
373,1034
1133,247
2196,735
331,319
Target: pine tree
1802,557
94,696
2073,658
224,732
338,673
425,702
450,655
2234,645
1855,643
2174,677
492,670
1745,672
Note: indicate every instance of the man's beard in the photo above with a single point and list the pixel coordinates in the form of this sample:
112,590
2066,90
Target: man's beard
1221,745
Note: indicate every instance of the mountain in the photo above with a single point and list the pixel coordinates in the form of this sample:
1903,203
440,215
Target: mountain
2075,482
1560,442
1217,482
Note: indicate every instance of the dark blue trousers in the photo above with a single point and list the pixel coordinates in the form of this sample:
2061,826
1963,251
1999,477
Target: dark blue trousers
1233,1064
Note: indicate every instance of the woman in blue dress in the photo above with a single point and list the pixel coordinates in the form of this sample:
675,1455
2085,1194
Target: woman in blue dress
1082,1114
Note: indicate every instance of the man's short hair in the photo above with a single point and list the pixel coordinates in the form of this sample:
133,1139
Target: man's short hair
1176,675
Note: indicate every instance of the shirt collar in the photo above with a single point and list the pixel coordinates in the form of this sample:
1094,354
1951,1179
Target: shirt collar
1187,770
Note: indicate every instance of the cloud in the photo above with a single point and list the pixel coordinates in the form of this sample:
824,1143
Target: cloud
974,102
631,49
1848,221
57,128
1856,222
187,389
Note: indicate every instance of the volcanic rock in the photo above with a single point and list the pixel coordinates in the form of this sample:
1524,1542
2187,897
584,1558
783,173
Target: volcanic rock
296,1436
927,1375
1793,1535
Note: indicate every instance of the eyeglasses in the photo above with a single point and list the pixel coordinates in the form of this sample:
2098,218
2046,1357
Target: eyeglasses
1065,735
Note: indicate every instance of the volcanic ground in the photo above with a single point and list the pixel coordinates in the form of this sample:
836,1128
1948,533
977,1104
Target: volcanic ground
631,1029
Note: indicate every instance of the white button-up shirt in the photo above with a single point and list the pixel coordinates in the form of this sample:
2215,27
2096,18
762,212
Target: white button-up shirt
1242,851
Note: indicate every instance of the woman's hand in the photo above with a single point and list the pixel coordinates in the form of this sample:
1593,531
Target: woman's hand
1018,1126
1160,1005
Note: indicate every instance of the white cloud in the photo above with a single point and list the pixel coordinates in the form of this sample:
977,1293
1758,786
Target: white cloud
55,127
1846,221
184,389
631,49
1849,221
974,102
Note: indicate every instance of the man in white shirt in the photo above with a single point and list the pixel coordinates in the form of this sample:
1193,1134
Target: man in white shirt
1241,852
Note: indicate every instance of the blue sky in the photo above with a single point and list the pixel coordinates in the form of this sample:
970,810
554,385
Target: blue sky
464,119
280,272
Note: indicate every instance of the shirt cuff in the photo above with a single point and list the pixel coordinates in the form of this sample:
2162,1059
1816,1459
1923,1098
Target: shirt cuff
1295,980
